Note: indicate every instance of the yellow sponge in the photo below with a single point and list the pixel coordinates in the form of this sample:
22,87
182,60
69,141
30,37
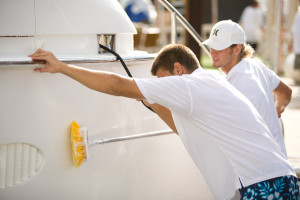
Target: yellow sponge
79,144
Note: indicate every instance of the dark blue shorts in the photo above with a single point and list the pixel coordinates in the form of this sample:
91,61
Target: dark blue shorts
283,188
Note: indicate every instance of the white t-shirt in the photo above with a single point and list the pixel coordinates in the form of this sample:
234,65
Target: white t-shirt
252,20
221,130
252,78
296,32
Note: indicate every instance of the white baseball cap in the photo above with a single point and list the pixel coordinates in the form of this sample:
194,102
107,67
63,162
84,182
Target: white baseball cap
224,34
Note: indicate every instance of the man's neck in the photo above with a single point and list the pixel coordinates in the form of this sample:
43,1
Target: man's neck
226,69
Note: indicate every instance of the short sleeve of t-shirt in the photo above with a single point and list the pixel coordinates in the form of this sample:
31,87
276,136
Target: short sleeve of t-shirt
273,78
171,92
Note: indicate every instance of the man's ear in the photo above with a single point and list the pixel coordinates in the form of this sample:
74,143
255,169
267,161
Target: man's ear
178,69
238,49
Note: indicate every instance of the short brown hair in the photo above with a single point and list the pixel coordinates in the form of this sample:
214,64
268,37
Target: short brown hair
175,53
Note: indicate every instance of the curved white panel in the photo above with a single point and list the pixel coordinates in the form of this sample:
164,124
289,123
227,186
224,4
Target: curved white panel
81,17
63,17
65,27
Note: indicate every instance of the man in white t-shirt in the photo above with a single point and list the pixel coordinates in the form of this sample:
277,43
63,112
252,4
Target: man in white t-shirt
250,76
221,130
252,22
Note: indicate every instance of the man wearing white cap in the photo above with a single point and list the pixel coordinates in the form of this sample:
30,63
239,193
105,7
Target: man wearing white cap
250,76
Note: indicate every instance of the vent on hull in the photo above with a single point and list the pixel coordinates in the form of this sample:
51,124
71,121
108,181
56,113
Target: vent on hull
19,163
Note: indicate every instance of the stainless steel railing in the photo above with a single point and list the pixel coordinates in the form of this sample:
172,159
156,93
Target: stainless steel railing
176,15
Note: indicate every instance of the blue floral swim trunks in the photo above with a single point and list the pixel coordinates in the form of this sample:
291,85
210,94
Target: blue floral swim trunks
281,188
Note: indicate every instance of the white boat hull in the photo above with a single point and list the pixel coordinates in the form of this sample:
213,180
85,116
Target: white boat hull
37,109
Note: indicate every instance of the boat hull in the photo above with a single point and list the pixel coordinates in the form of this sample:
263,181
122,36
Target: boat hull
37,109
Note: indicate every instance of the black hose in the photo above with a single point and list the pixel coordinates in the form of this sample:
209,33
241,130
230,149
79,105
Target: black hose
118,58
124,65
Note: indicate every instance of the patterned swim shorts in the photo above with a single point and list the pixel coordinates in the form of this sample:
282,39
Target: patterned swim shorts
282,188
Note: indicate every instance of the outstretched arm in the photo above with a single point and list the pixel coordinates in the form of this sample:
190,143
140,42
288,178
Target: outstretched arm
164,113
101,81
283,94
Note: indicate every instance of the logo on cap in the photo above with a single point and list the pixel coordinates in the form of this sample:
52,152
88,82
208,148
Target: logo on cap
215,32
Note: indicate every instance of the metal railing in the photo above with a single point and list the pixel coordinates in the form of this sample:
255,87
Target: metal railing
176,15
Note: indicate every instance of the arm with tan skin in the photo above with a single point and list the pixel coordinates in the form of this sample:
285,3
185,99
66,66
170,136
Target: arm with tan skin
104,82
164,113
101,81
282,94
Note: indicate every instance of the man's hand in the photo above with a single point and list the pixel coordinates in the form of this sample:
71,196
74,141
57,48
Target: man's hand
52,64
283,95
280,110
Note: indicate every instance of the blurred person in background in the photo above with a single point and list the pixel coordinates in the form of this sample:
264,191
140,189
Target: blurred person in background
140,10
296,39
252,22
